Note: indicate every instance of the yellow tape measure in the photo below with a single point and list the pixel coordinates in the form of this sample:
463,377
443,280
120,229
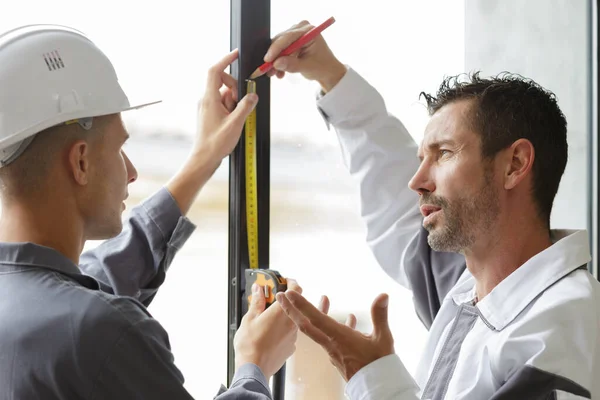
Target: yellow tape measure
251,186
270,280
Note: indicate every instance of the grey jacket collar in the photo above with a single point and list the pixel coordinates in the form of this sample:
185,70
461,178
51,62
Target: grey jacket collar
15,257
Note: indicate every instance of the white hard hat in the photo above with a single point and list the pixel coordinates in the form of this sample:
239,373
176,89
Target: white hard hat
51,74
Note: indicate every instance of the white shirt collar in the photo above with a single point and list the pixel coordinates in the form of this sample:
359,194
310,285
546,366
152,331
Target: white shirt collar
569,252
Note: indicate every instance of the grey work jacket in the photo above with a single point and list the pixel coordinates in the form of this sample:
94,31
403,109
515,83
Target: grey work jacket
83,332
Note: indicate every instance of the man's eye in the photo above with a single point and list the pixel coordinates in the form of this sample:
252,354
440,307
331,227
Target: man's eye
444,152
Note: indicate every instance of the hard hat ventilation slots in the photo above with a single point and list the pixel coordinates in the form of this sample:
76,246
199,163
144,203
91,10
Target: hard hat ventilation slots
53,60
31,102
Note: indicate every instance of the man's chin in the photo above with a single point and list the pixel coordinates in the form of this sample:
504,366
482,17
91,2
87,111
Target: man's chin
444,241
435,245
438,240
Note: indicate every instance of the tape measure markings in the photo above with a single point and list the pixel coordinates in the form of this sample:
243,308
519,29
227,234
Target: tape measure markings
251,184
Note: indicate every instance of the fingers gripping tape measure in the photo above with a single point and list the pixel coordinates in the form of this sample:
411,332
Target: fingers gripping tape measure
270,281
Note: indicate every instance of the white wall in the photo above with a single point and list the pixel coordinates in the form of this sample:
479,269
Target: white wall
548,41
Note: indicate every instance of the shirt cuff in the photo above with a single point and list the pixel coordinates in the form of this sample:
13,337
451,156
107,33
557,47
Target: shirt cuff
250,371
352,95
385,378
167,217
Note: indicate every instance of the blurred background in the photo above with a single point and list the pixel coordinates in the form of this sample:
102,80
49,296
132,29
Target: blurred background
161,50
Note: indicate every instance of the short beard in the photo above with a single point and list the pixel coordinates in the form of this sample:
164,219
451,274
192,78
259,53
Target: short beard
464,218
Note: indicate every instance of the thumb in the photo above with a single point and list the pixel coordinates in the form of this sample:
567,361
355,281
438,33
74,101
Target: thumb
293,285
243,109
379,315
258,303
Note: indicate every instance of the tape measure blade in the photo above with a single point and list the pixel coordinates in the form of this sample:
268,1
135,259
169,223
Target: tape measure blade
251,184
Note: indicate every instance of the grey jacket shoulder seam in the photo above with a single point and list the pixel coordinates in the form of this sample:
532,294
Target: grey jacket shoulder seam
99,295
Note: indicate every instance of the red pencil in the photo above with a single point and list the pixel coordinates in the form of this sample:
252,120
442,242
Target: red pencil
307,37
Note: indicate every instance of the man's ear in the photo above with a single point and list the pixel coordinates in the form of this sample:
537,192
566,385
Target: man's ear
79,161
521,155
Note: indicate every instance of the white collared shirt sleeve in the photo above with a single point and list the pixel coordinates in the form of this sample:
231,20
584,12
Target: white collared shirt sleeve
382,156
383,379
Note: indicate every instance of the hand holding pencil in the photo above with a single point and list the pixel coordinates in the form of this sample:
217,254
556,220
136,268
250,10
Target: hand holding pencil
302,49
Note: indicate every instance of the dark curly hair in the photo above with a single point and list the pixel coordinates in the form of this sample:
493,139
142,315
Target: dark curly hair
509,107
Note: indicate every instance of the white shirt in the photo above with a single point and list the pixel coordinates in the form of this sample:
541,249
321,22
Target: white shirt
534,336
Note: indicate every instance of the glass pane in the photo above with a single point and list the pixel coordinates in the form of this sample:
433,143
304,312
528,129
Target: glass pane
161,50
317,237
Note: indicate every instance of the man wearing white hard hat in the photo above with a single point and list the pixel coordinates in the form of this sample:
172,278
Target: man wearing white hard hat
74,325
